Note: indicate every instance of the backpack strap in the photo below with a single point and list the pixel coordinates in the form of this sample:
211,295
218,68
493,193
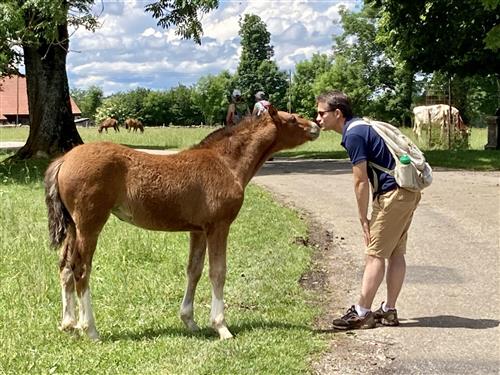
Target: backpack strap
371,164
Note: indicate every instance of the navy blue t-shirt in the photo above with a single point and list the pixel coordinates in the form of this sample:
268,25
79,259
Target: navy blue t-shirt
364,144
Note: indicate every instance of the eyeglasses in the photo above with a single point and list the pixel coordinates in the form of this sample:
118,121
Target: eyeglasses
322,113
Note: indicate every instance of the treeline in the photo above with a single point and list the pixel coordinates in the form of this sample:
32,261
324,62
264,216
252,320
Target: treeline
390,57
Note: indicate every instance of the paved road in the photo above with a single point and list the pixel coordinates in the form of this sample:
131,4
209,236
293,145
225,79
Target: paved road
450,304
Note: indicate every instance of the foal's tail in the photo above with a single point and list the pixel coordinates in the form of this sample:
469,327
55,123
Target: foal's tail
59,217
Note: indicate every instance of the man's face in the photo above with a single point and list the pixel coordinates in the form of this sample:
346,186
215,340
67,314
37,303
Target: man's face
328,119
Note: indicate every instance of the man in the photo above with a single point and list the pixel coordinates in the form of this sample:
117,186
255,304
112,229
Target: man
237,109
385,234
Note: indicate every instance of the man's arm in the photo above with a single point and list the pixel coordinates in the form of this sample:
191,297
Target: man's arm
362,192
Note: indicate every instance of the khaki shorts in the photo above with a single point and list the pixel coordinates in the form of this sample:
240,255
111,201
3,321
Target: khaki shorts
391,217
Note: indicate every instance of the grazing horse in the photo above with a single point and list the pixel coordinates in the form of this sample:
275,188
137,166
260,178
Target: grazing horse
108,123
199,190
134,124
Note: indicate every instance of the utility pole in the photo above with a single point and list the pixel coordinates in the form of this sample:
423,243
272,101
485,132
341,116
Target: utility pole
290,91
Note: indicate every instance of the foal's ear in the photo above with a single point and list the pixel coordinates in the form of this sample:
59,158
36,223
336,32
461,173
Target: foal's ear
273,113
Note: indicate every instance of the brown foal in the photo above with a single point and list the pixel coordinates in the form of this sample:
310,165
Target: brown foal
199,190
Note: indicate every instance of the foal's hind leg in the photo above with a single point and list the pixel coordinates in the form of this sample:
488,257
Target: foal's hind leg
86,244
197,249
67,280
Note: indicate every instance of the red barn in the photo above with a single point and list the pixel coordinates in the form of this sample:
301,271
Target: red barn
14,101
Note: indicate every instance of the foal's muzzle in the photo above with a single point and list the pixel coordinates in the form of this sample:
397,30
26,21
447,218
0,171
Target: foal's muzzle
314,131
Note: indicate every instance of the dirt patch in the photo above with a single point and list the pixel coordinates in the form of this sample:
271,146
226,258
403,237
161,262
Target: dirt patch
348,352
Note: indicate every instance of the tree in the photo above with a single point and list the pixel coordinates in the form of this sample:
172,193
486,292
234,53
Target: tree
88,100
256,71
211,96
157,108
306,72
455,28
40,29
381,83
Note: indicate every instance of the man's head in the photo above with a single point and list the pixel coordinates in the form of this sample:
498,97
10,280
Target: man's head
260,95
236,95
334,109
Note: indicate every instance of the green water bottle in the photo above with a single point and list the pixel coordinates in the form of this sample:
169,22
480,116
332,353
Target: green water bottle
404,159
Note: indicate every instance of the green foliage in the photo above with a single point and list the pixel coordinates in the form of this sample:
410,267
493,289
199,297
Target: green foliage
32,23
455,28
211,96
306,72
256,71
88,100
183,14
157,108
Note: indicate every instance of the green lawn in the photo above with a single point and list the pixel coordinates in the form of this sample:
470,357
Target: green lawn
137,284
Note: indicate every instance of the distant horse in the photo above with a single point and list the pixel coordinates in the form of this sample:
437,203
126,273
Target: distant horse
132,123
108,123
199,190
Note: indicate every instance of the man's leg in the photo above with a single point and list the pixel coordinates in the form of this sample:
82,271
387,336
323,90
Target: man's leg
396,270
372,278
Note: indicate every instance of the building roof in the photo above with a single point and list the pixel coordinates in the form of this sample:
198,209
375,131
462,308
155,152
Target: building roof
14,97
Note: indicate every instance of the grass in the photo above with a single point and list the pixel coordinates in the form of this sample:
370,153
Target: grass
137,284
327,146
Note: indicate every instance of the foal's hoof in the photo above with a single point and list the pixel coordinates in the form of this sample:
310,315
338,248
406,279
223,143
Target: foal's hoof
190,324
68,326
224,333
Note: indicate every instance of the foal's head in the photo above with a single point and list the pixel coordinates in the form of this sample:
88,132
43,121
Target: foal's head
293,130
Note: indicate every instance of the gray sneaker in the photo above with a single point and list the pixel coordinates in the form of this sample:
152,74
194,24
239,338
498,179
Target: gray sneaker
386,318
351,320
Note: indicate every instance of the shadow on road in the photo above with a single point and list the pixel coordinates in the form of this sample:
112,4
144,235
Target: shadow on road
281,166
449,321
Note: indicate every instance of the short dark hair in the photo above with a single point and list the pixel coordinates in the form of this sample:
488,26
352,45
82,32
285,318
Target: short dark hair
336,100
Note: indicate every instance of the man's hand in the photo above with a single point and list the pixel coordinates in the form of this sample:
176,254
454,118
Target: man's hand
365,224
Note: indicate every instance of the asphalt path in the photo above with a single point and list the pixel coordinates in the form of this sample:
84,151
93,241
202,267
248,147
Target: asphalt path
450,304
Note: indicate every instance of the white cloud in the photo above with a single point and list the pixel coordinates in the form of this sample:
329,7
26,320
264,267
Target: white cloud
129,50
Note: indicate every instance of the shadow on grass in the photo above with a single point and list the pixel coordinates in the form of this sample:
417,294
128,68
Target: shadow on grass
478,160
22,171
204,333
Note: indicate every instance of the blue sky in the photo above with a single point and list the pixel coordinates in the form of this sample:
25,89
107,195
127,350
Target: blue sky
130,51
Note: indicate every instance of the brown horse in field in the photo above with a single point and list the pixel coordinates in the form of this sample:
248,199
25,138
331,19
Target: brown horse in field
199,190
108,123
134,124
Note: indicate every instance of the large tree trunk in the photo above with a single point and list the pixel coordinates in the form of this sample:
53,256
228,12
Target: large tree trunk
52,127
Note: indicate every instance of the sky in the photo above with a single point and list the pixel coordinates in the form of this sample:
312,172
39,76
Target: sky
130,51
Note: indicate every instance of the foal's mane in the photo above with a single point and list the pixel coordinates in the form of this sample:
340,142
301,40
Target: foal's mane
248,124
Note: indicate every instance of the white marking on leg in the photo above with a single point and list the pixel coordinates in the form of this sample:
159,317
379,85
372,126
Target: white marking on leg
68,300
86,322
217,317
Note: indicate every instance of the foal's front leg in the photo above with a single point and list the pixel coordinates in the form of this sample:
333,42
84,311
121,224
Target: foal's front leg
197,249
217,244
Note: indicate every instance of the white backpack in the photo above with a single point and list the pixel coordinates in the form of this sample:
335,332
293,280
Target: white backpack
414,176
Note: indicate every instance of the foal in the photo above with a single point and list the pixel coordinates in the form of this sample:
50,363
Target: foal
199,190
